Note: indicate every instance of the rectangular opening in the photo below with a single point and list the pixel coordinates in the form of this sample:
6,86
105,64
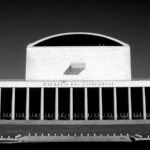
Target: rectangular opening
35,97
49,103
78,103
147,94
6,101
93,103
122,103
20,103
136,99
108,104
64,98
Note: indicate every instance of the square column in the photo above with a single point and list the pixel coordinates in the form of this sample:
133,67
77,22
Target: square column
56,103
71,103
129,103
115,103
144,103
100,104
0,104
27,104
42,104
85,104
13,104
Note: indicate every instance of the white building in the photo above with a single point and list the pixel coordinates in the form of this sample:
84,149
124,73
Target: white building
76,76
91,60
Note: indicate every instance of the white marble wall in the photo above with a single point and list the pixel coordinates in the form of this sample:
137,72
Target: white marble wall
102,62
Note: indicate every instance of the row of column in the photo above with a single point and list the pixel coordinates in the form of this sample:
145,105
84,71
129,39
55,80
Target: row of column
71,104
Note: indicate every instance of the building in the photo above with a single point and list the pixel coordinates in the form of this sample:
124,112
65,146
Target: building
76,76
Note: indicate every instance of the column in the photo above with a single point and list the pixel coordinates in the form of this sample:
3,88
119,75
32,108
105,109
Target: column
42,104
100,104
0,103
13,104
27,103
56,103
144,103
115,103
85,104
129,103
71,103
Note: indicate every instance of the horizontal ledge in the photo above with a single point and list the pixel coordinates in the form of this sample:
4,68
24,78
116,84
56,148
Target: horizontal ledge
73,122
74,138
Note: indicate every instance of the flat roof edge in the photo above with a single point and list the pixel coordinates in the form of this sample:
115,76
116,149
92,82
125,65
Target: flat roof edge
67,84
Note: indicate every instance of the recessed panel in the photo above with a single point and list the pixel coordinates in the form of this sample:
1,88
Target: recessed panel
20,103
35,97
93,103
136,99
64,101
122,103
6,103
108,104
49,103
78,103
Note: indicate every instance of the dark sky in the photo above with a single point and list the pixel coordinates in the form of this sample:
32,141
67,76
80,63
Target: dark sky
25,21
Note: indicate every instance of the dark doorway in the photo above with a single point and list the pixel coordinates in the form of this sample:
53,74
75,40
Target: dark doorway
122,103
35,97
136,99
49,103
93,103
20,103
64,97
147,93
6,101
107,100
78,103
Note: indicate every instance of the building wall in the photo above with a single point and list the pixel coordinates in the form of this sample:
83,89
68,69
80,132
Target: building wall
101,63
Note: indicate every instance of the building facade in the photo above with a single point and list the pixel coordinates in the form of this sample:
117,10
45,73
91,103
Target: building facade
76,76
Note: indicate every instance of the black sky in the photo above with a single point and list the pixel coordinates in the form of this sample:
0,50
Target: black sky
25,21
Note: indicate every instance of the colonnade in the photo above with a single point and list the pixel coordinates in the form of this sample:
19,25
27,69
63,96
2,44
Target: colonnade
71,103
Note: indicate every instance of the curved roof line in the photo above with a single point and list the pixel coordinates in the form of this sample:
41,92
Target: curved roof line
70,33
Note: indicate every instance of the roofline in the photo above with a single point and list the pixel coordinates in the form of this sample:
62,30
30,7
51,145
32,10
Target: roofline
69,33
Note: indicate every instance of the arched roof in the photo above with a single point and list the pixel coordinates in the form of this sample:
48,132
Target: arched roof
77,39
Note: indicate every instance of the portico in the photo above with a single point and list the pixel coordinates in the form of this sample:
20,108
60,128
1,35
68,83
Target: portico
98,86
76,76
